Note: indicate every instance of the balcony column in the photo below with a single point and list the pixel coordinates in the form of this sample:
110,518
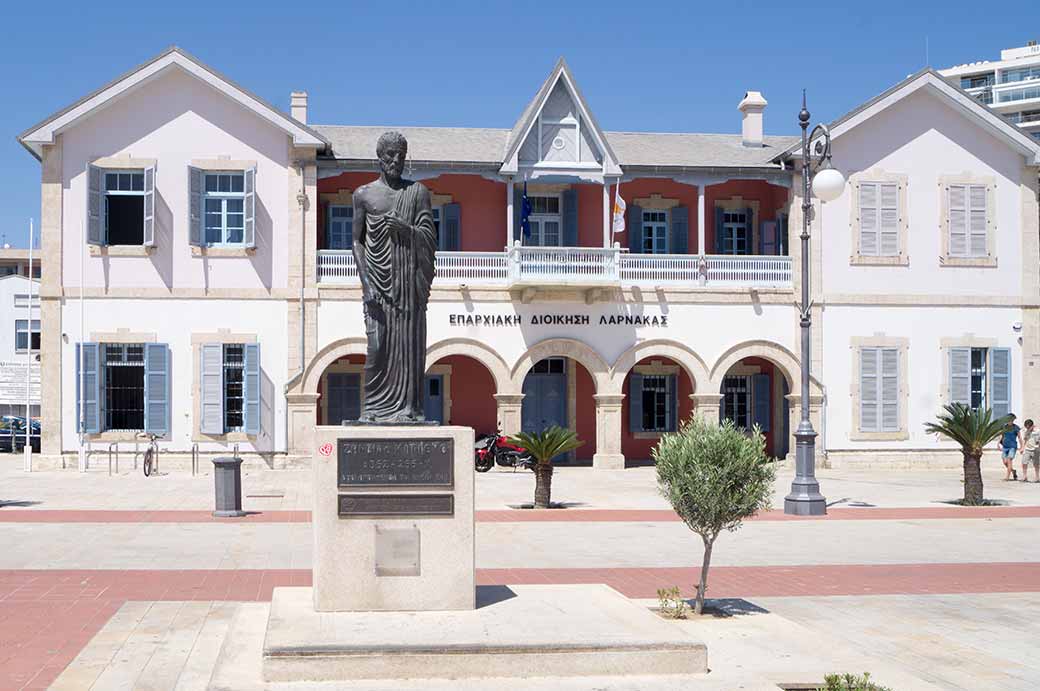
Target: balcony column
608,454
509,412
706,406
700,219
509,211
606,214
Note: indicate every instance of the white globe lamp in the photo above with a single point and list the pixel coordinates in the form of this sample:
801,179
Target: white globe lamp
828,184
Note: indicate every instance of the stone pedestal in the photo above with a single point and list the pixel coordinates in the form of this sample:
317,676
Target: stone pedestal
393,518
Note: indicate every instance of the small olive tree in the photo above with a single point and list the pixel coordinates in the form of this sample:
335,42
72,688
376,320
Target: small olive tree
714,476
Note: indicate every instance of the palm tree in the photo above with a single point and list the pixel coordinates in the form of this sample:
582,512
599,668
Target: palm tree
972,428
544,446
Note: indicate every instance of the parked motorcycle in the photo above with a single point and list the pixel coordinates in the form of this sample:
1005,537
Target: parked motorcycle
492,449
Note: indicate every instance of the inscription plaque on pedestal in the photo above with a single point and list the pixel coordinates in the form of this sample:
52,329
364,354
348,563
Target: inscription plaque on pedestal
397,551
396,505
396,463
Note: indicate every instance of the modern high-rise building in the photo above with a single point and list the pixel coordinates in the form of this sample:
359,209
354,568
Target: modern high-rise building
1011,85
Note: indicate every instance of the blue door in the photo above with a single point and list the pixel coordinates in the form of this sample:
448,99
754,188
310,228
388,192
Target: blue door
545,396
433,400
344,397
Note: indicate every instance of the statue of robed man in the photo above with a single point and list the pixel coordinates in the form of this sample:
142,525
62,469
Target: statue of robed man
394,246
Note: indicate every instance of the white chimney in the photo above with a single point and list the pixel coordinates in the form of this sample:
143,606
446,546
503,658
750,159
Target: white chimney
752,106
298,106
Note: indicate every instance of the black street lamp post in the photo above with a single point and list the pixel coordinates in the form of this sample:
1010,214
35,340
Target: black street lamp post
827,184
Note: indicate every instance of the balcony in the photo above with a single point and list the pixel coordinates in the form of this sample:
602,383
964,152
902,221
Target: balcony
582,267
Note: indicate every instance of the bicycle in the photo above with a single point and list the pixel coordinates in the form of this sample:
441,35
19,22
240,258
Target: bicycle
151,454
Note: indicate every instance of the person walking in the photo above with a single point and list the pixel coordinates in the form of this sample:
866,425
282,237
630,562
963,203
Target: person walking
1010,440
1030,451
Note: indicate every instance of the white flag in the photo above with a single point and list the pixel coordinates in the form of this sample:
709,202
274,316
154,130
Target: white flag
619,211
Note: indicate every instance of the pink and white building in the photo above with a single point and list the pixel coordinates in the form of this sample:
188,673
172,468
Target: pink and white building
208,233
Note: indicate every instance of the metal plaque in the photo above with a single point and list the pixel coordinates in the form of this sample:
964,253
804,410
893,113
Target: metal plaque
396,463
397,551
361,505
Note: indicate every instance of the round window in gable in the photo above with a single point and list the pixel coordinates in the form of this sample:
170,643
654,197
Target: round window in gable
558,143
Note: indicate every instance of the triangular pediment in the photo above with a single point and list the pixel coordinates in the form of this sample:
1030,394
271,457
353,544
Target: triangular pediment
557,133
172,59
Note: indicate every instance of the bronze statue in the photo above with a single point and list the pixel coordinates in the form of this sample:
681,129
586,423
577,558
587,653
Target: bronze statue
394,246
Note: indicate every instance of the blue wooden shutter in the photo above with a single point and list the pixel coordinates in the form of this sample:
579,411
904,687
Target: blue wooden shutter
251,389
768,239
680,237
671,386
569,201
960,375
344,397
249,207
450,239
634,226
156,388
194,206
1000,381
749,219
518,204
211,389
760,392
720,218
782,240
94,201
635,403
88,355
149,207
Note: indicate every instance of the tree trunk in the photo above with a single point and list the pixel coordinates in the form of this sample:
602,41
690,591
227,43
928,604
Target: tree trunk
698,605
972,479
543,473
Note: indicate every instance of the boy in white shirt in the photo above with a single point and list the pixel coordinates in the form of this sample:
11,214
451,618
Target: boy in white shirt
1031,451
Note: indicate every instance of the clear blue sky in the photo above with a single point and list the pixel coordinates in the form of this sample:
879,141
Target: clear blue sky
642,65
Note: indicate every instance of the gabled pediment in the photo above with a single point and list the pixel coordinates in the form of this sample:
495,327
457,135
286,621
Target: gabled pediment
171,59
558,133
930,81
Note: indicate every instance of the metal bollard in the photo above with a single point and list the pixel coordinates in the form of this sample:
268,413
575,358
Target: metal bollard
194,459
227,484
113,448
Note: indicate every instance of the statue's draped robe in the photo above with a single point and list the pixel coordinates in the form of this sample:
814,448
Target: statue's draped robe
400,270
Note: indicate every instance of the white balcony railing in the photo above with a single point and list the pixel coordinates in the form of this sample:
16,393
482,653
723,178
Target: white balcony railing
583,266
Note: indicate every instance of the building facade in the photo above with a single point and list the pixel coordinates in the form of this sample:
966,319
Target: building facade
1011,85
210,236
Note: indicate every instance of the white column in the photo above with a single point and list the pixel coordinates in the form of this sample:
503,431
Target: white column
608,454
606,214
509,212
700,218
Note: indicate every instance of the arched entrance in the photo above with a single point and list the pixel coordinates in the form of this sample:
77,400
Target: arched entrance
460,390
657,400
559,390
754,392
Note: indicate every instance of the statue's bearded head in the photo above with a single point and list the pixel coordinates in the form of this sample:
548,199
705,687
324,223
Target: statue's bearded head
392,149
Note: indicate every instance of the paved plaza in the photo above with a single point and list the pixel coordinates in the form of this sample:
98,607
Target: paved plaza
127,582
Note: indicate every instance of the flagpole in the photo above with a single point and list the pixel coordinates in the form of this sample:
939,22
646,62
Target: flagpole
27,451
82,352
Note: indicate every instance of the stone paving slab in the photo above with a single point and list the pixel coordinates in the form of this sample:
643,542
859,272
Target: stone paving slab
252,545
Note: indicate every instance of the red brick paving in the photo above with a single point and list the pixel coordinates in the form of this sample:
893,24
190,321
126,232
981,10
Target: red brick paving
48,616
516,515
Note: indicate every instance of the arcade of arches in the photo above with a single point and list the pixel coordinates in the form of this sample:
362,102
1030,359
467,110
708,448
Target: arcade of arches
619,410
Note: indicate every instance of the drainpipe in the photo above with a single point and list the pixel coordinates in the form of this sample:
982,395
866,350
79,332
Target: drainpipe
302,199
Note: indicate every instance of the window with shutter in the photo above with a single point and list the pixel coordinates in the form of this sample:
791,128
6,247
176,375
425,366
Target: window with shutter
878,219
960,375
94,234
211,389
968,219
124,219
251,386
635,403
148,232
339,233
761,392
1000,381
450,231
879,389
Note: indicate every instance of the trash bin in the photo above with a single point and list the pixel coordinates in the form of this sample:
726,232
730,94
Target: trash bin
227,483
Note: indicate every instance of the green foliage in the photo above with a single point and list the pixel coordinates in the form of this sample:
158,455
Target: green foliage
850,682
547,444
714,475
972,429
671,603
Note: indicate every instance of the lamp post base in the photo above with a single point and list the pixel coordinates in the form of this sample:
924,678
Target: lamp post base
805,498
